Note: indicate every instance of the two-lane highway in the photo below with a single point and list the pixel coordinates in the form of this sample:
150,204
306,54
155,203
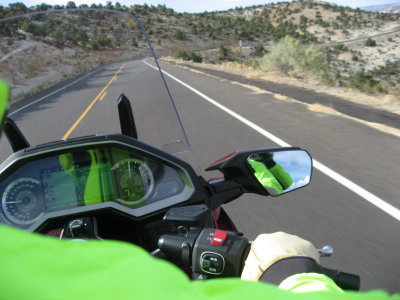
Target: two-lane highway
366,238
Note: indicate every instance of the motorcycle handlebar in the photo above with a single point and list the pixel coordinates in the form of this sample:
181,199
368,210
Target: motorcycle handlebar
189,251
346,281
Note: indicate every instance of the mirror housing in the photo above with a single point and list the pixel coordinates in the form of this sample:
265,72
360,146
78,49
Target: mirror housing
267,171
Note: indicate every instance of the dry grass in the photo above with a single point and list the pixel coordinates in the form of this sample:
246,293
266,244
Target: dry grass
284,98
255,89
322,109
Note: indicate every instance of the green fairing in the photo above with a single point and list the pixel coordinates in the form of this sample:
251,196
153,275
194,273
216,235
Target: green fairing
39,267
4,94
282,176
266,178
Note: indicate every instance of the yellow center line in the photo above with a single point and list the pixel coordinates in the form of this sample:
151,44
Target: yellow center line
103,91
102,96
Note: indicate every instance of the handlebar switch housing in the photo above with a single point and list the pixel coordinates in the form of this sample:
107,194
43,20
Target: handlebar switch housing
218,253
188,217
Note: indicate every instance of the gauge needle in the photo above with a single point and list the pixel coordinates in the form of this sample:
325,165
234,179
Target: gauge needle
12,202
129,169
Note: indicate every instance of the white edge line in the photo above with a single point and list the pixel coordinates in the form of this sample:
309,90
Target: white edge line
371,198
54,92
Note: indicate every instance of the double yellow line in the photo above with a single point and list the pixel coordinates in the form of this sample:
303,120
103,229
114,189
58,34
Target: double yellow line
100,97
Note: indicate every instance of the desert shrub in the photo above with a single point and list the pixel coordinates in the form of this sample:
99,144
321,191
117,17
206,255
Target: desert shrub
194,29
101,41
71,4
196,58
179,34
72,35
134,43
370,43
290,56
340,47
391,68
35,29
223,53
364,82
259,50
387,73
188,55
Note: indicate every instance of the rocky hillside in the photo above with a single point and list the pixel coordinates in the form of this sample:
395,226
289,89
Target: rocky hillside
35,51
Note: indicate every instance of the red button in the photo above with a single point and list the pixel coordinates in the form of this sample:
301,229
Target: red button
219,238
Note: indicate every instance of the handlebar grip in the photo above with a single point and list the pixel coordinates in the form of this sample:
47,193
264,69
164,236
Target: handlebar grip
344,280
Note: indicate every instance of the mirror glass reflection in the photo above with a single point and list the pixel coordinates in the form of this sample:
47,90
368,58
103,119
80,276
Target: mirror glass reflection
280,172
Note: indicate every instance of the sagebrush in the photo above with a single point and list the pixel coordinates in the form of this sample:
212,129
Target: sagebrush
290,57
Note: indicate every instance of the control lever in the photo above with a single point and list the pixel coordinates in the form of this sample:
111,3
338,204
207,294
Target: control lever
326,251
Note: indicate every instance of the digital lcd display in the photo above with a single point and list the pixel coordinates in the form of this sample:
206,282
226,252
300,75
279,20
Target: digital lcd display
81,185
58,189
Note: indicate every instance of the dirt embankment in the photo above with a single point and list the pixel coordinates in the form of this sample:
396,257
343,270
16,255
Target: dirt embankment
30,66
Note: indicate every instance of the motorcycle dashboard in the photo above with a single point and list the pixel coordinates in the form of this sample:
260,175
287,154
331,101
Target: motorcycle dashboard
83,178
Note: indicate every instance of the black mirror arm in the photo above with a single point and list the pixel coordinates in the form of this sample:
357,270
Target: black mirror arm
15,137
126,119
224,191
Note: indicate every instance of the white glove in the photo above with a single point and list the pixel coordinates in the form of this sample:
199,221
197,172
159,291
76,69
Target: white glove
267,249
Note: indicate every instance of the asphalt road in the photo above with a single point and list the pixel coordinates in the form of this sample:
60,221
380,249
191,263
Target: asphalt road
366,239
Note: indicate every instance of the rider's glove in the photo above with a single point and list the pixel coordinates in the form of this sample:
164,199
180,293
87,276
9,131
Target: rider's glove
266,158
268,249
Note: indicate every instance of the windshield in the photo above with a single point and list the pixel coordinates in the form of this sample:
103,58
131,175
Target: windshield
68,67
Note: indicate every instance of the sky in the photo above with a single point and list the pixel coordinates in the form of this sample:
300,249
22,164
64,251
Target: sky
198,6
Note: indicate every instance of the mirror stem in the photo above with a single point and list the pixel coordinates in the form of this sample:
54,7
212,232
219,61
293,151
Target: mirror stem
224,191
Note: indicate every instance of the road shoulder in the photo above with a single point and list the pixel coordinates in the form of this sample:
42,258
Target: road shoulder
308,96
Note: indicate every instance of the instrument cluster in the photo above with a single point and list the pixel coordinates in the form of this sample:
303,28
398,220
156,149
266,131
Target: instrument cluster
140,184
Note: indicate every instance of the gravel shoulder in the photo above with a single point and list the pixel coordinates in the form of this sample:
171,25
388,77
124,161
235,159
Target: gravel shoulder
385,118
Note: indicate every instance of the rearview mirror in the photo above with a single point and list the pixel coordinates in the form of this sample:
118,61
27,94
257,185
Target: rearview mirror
281,171
268,171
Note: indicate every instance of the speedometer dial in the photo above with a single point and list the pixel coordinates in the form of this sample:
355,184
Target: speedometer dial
135,180
21,201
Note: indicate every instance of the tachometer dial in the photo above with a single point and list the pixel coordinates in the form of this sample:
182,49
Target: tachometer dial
21,201
135,180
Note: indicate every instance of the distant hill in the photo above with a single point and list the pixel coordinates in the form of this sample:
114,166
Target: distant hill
383,7
392,10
